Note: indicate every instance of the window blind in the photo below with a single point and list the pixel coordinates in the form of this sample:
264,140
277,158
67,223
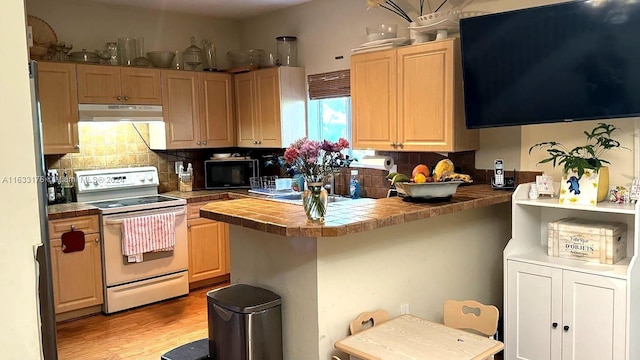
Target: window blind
329,85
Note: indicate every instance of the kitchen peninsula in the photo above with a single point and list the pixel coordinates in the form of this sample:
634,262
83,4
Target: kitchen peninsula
369,254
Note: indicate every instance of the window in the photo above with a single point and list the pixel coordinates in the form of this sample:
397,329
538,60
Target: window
329,112
330,118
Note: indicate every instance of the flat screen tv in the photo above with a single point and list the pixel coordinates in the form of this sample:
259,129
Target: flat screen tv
571,61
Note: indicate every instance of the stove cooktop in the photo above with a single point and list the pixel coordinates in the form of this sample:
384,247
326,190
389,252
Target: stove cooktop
134,202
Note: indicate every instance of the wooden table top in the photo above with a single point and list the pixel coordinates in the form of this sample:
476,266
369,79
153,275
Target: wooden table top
410,337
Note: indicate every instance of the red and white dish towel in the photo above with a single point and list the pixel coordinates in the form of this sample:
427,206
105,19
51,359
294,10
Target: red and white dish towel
148,233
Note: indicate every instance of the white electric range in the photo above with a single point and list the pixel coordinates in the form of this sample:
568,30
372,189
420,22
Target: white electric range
133,192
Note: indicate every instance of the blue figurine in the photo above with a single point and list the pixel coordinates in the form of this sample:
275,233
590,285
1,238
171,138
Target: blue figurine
574,185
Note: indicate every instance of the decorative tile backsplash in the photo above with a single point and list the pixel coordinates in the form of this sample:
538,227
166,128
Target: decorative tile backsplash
112,145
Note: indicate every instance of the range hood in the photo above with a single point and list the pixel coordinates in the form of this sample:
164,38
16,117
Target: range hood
100,112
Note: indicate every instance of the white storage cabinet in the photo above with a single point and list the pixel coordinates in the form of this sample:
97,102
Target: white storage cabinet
561,309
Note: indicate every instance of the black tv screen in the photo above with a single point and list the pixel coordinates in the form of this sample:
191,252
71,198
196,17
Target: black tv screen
570,61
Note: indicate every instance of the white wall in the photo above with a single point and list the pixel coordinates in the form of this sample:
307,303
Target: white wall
89,25
19,217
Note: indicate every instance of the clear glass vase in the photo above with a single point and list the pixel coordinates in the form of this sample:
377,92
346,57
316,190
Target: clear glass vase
315,199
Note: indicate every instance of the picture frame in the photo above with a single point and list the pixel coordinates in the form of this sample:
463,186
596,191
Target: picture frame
544,184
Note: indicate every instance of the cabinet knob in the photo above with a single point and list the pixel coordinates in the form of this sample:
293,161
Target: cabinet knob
555,325
259,142
255,142
97,240
199,142
126,98
73,228
566,328
119,97
77,146
393,145
400,145
204,143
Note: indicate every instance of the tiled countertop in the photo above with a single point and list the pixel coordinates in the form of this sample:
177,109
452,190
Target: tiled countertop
60,211
347,216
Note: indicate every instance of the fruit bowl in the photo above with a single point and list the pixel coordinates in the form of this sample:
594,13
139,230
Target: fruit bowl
428,190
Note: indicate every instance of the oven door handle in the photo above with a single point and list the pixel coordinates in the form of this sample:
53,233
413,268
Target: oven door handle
119,222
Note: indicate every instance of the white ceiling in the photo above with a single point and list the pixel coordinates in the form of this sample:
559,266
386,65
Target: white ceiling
228,9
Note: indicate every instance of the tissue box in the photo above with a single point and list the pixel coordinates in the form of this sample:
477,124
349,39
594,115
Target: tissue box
595,241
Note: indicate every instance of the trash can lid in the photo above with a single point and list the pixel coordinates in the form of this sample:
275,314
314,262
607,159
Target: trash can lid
243,298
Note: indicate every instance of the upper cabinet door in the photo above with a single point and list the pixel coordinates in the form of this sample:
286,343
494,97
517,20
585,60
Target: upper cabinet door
268,108
99,84
245,108
373,100
140,86
425,96
217,127
58,107
180,109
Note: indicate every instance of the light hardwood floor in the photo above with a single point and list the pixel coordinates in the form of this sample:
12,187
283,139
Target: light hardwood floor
144,333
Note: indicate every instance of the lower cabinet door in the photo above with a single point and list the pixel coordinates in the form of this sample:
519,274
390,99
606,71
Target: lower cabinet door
77,276
534,312
594,317
208,244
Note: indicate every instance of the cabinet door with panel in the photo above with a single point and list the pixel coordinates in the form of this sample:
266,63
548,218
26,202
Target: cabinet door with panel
58,107
208,247
118,85
534,317
373,100
181,110
77,275
268,120
270,107
594,317
140,86
245,103
562,314
217,126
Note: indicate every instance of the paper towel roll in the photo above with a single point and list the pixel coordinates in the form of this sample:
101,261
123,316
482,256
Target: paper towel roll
376,162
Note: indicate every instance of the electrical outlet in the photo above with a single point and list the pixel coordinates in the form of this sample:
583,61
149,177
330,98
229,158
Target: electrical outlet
404,309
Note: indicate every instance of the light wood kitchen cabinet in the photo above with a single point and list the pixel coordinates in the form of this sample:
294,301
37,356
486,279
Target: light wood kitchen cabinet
559,308
58,107
99,84
76,276
197,110
410,99
270,107
208,248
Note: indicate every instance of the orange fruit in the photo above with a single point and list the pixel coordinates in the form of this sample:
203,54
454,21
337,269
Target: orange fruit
420,169
420,178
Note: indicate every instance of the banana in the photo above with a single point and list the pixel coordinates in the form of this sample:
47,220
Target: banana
400,178
391,175
452,176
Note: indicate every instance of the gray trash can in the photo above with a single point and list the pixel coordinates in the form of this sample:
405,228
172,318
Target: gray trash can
245,323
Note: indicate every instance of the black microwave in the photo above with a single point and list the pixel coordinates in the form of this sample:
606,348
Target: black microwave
230,173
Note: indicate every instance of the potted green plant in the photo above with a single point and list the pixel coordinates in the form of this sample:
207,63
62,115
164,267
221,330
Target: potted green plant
583,157
583,160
